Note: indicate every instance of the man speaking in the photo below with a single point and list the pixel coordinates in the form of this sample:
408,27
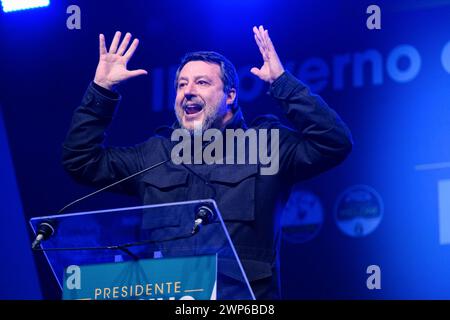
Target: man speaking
206,103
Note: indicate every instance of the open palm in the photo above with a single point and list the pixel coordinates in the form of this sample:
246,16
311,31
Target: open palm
272,67
112,65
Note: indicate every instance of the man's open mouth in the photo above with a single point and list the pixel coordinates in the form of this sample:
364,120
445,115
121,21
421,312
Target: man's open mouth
193,108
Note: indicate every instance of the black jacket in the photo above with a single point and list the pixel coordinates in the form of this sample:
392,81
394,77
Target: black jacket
249,202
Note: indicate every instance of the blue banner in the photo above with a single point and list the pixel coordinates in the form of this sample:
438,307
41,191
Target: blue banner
186,278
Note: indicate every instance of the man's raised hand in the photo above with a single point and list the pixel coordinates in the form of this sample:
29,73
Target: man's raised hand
272,67
112,65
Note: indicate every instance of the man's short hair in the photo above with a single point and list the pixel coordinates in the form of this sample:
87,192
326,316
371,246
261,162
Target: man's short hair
228,71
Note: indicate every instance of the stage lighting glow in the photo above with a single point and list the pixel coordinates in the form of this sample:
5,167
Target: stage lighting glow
15,5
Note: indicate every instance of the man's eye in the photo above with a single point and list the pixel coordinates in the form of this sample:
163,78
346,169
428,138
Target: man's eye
181,85
202,82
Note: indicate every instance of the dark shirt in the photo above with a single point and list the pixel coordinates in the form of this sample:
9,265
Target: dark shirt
249,202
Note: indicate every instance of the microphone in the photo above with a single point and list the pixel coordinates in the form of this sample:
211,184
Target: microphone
46,230
48,227
203,216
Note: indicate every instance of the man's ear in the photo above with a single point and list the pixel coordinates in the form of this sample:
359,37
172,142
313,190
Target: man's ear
231,96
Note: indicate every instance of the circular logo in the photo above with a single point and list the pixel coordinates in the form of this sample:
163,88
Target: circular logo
302,216
358,211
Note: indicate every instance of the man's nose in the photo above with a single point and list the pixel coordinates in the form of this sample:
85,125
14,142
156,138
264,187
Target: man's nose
189,91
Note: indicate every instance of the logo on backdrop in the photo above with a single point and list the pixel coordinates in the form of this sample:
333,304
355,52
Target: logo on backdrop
302,216
358,211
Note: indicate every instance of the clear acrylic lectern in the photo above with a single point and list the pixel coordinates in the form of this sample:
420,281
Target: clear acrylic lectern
147,232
